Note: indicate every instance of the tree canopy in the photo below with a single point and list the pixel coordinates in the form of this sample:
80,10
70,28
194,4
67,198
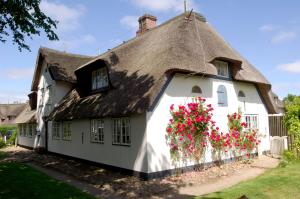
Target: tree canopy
23,18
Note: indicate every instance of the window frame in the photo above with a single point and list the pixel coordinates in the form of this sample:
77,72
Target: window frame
121,128
96,125
30,130
66,136
56,130
224,96
220,66
99,79
250,124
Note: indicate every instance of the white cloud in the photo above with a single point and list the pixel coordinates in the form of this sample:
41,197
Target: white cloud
164,5
283,37
67,16
17,73
282,89
293,67
130,22
72,42
268,28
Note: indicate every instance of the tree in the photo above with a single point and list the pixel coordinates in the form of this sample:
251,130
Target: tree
292,119
21,18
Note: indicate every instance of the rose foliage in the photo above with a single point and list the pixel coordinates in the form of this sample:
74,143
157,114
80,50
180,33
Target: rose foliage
191,129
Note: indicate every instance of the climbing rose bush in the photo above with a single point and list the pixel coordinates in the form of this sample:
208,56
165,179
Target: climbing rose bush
242,139
188,130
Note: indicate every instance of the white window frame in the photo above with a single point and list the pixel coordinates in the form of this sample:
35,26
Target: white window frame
25,130
56,130
252,121
222,68
97,131
121,129
99,78
30,130
67,133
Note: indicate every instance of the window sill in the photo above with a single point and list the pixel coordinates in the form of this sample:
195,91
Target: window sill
95,142
126,145
66,139
56,139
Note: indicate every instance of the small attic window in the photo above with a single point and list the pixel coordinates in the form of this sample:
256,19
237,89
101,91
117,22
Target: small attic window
222,68
241,94
196,89
99,79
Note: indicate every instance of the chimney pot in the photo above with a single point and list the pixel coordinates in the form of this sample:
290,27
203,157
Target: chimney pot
146,22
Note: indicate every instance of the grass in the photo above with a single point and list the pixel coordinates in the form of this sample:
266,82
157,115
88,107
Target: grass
20,181
281,182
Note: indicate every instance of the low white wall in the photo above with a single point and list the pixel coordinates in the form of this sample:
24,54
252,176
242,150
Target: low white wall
131,157
179,92
26,141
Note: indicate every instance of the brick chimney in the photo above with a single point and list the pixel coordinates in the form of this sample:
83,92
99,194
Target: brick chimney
146,22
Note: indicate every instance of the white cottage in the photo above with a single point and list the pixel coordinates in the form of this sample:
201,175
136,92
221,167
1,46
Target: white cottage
113,109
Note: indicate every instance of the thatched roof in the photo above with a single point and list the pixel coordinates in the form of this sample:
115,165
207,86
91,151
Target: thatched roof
140,69
61,65
26,116
10,110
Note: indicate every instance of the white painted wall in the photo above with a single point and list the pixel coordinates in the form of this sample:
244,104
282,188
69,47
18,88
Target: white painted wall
26,141
44,107
131,157
179,92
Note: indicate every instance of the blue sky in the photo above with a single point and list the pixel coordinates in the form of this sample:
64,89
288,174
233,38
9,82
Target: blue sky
267,33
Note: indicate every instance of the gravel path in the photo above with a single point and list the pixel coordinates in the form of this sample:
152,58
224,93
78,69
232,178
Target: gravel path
107,184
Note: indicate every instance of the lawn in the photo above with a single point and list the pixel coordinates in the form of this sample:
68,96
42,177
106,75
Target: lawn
21,181
281,182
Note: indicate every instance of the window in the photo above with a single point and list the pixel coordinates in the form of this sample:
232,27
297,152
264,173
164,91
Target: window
241,94
121,131
97,131
34,129
50,93
67,131
252,121
25,130
99,79
20,127
196,89
30,130
42,97
55,130
222,68
222,96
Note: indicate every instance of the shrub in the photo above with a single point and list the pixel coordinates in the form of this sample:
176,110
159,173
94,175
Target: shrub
12,139
2,143
188,130
292,119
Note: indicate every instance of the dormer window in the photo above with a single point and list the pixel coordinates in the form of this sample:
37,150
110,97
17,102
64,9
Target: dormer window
99,79
222,68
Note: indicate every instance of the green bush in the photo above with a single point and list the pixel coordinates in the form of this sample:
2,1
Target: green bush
2,143
5,130
287,157
13,137
292,120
